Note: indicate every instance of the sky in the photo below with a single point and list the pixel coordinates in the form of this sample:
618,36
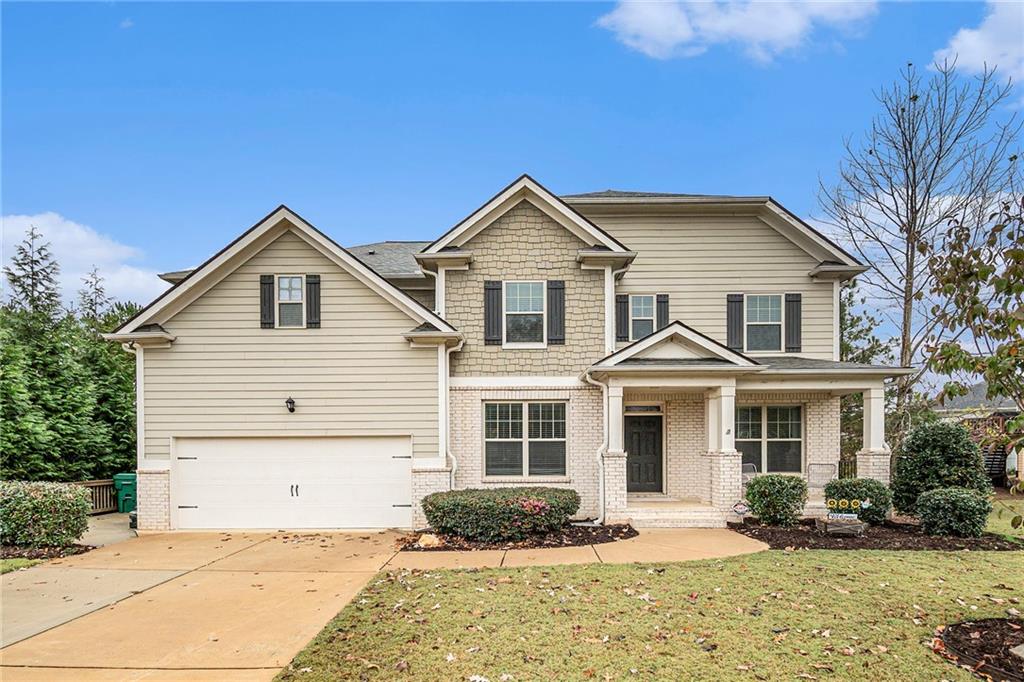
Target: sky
143,137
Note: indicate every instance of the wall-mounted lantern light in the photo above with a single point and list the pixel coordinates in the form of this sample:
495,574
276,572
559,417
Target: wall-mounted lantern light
290,404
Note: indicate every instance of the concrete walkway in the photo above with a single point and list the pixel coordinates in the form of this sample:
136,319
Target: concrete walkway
234,606
107,529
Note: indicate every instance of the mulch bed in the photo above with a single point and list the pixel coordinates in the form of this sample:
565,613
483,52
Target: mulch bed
12,552
891,535
983,646
567,536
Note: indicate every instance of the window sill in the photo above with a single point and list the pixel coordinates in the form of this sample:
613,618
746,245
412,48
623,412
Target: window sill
526,479
524,346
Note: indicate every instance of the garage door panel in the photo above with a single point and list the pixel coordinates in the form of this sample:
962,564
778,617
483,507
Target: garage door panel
286,482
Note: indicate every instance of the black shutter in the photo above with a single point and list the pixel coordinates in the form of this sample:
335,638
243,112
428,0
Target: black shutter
734,322
662,312
267,301
556,312
622,317
313,301
492,313
793,319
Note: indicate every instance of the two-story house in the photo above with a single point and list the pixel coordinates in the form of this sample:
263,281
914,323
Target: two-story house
651,351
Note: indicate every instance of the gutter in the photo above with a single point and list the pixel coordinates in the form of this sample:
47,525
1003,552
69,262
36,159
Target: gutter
447,410
602,448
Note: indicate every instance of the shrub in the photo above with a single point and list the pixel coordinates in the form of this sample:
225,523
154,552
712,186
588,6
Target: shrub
861,490
937,455
499,514
43,514
776,499
953,511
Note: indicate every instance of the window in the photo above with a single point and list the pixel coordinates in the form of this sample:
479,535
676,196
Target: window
764,322
524,313
641,316
771,438
538,450
290,303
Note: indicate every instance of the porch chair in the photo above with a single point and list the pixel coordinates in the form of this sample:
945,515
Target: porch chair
747,474
818,476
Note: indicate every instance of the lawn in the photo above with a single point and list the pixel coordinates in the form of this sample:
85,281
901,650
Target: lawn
1003,509
775,615
8,565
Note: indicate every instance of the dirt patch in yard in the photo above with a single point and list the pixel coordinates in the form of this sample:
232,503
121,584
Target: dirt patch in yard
984,646
893,536
567,536
12,552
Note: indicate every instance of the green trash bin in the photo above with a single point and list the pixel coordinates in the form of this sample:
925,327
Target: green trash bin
124,488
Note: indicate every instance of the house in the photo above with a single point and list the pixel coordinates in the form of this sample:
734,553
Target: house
648,350
986,418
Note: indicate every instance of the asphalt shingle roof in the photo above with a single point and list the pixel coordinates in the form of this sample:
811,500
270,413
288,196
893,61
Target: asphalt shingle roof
391,259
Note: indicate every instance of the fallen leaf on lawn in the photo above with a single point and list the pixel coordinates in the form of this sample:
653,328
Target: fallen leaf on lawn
402,666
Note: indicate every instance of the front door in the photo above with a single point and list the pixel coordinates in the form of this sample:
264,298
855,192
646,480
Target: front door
643,454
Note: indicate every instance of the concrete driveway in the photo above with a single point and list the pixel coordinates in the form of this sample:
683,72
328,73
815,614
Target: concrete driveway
232,606
239,606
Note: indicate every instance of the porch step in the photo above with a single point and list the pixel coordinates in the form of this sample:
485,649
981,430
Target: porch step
654,517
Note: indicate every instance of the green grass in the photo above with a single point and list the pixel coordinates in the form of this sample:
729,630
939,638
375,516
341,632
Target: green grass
8,565
1003,510
842,615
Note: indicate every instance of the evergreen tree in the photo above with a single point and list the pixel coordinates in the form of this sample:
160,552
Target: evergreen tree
25,438
93,301
32,276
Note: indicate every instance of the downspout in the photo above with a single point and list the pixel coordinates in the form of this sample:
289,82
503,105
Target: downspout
448,415
604,445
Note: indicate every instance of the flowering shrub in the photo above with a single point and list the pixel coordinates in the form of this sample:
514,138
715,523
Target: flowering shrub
499,514
42,514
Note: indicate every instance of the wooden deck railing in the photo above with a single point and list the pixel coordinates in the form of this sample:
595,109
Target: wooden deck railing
103,498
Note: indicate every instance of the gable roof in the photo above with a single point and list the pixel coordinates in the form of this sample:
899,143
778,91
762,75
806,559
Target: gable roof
775,214
717,353
526,188
250,242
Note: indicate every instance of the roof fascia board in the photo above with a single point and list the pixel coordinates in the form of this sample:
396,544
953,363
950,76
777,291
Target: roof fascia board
529,189
673,329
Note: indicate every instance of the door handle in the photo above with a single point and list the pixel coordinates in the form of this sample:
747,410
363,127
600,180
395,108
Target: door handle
296,490
291,491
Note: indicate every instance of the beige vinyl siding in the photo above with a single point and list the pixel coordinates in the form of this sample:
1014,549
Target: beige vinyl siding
224,375
698,260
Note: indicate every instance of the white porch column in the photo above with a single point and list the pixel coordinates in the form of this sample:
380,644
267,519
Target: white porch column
615,461
615,413
874,455
724,460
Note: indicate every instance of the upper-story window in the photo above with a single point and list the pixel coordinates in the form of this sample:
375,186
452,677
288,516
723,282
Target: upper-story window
641,316
524,314
763,328
290,304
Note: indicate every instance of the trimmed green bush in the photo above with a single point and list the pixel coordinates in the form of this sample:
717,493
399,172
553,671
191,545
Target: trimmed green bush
500,514
859,490
937,455
43,514
777,500
961,512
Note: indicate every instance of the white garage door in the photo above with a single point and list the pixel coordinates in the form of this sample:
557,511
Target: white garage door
278,483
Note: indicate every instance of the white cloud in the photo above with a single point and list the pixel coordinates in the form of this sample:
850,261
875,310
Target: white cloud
997,41
77,248
126,24
684,28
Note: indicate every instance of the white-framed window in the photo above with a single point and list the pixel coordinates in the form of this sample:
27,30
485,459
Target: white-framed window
641,316
770,437
525,317
763,322
537,450
289,301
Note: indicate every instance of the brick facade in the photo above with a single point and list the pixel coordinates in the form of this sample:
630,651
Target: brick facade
525,244
425,482
872,464
584,435
154,499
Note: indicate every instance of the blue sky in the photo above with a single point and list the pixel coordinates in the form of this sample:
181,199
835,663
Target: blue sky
142,137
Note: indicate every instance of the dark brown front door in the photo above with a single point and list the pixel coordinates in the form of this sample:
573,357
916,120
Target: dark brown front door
643,454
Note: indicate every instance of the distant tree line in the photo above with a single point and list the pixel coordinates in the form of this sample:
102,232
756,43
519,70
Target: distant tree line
67,397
